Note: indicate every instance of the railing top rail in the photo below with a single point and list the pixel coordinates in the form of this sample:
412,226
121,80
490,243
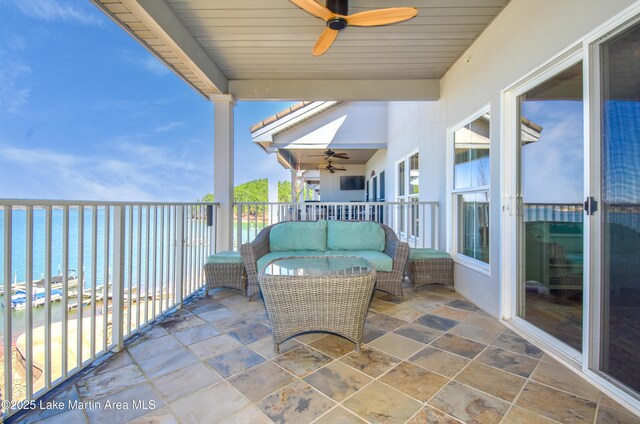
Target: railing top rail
48,202
553,204
337,203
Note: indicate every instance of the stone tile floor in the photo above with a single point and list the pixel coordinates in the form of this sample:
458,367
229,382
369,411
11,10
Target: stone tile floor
434,358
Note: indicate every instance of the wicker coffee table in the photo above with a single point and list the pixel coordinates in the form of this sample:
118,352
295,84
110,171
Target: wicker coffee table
317,293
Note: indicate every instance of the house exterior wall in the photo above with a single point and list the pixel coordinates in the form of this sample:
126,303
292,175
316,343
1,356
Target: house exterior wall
349,124
523,37
330,185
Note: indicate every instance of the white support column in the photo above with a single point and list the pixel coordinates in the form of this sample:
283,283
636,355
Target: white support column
294,177
273,198
223,106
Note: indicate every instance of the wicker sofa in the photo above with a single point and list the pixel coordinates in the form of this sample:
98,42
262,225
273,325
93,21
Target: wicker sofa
377,243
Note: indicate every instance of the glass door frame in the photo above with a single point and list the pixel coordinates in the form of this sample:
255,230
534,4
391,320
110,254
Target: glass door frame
588,50
594,128
512,271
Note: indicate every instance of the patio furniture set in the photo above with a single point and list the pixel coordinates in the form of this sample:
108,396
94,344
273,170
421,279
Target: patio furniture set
320,275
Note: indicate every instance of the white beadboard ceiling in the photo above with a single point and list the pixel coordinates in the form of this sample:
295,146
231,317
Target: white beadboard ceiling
261,49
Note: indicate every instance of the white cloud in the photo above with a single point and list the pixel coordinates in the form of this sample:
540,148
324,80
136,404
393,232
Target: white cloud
140,106
145,60
14,93
126,171
151,63
62,11
170,126
15,42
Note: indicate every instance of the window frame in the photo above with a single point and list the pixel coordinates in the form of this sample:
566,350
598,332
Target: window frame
407,197
454,218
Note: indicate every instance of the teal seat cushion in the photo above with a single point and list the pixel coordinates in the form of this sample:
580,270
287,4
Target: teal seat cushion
225,258
380,261
343,235
427,254
289,236
272,256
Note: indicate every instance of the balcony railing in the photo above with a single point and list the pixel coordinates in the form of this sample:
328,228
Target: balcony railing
414,222
119,267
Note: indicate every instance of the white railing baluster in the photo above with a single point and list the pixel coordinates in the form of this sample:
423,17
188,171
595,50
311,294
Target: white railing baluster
94,277
239,240
80,289
106,283
8,353
47,295
155,260
117,315
65,290
28,279
161,267
139,268
435,207
129,250
147,262
179,249
171,288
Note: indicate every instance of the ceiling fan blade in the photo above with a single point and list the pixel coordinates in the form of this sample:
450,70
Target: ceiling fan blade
341,155
325,41
340,169
314,8
382,16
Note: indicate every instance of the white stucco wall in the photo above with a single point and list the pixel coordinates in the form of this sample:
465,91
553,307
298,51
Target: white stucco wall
330,185
349,124
523,37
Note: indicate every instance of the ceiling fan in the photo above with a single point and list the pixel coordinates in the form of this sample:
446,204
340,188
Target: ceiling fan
328,154
333,169
336,16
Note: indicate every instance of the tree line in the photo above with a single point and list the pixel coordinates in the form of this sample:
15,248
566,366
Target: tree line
256,191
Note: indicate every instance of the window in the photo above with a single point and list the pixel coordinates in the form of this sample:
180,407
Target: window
375,188
408,190
471,177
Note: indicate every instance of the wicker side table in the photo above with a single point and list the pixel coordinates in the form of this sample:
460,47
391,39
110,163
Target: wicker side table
225,269
317,293
429,266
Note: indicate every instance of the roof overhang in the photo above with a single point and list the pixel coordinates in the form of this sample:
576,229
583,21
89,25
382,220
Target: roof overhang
300,134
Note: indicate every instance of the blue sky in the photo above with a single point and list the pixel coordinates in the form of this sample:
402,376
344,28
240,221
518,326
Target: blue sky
86,113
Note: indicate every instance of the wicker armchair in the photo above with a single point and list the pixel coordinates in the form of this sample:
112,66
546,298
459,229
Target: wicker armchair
389,282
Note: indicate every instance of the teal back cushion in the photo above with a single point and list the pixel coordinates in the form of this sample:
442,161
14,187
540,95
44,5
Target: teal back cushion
298,236
343,235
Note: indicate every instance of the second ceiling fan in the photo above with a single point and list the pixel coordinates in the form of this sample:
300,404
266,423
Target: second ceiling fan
336,16
332,169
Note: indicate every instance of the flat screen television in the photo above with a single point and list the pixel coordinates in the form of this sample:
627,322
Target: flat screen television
352,182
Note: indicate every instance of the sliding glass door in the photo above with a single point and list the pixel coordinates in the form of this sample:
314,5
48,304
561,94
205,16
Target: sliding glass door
578,239
619,219
550,215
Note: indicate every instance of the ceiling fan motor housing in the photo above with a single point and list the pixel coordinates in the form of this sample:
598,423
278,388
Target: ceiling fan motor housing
337,23
339,7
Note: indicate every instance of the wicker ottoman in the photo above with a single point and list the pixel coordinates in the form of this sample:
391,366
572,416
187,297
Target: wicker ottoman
429,266
225,269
